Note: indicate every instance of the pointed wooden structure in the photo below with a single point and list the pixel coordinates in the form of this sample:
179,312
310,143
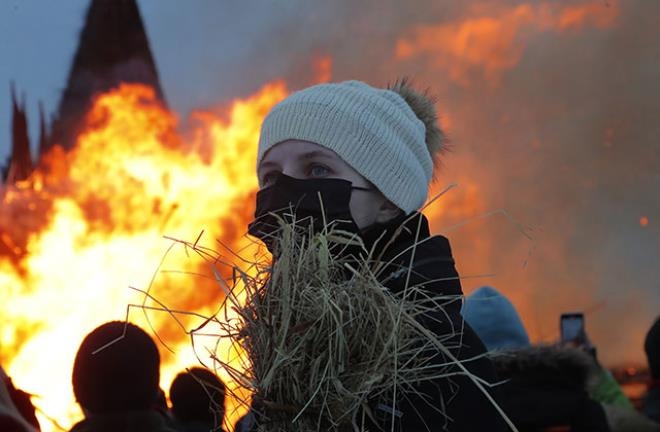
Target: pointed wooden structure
113,48
19,165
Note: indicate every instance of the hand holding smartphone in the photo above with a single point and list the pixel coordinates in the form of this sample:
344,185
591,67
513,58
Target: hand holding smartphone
574,333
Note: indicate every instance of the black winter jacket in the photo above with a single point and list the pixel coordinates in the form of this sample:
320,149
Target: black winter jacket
453,404
466,407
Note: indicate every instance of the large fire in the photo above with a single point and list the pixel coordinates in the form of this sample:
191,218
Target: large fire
92,222
492,39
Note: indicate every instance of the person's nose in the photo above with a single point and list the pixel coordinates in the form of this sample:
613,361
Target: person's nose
293,171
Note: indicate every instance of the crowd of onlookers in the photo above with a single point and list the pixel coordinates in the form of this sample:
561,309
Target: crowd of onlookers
115,379
116,376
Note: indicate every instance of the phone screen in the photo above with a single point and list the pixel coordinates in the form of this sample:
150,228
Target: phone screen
572,327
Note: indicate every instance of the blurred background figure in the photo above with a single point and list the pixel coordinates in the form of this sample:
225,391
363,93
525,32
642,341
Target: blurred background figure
560,385
115,380
17,414
161,404
652,348
543,386
495,320
198,401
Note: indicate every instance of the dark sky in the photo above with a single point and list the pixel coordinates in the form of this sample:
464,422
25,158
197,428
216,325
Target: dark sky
552,108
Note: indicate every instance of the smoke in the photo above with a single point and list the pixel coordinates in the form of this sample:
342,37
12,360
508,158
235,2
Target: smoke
565,141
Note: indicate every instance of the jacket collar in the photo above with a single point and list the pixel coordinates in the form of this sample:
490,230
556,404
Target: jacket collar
396,234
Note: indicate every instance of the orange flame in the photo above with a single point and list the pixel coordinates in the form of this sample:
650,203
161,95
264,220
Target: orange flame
90,223
322,67
598,15
492,42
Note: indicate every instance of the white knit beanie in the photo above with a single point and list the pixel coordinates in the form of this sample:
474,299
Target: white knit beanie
373,130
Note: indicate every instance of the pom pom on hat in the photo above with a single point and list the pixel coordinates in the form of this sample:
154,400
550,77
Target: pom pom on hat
423,105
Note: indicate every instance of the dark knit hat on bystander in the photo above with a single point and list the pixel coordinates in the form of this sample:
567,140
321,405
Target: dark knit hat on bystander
116,369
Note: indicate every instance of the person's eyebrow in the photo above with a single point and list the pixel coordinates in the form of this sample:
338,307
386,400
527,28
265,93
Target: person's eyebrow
315,154
267,164
303,157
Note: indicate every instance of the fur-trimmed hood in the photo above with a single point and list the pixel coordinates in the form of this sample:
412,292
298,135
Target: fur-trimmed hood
551,364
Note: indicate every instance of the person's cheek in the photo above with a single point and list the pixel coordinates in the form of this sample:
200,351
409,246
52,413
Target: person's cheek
363,210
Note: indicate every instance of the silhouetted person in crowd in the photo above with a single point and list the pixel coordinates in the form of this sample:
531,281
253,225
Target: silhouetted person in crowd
198,401
15,403
16,410
544,386
161,404
652,348
115,380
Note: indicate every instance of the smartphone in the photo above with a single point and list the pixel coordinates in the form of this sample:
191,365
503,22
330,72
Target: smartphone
572,329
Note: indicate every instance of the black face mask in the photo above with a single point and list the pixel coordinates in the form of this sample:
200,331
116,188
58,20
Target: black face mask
319,202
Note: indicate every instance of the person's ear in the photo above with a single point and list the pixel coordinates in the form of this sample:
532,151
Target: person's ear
387,212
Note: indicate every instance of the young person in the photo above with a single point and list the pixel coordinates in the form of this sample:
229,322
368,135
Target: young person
369,155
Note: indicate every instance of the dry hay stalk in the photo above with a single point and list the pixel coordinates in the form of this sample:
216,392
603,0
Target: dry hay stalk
323,339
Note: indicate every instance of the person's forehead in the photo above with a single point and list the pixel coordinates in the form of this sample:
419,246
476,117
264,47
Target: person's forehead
296,150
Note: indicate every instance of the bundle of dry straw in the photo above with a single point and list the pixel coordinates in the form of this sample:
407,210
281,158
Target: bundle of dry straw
323,340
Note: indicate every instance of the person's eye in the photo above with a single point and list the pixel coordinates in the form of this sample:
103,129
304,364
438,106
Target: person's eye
268,178
318,171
